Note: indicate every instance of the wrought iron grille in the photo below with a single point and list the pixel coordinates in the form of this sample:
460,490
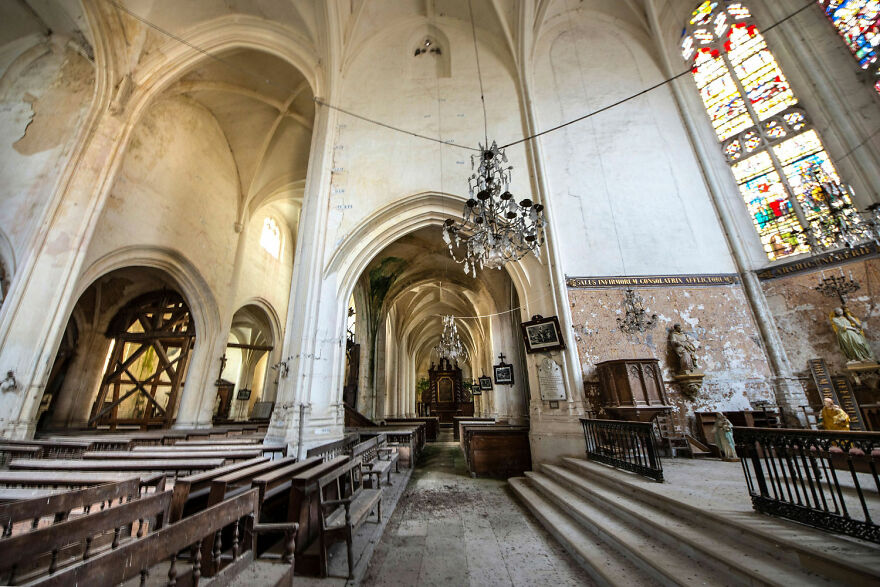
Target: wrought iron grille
822,478
624,445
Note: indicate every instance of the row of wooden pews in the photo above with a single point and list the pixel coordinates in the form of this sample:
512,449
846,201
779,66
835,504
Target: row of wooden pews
494,450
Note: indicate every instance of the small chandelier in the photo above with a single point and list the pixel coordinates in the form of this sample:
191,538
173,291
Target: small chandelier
636,318
843,225
450,346
494,229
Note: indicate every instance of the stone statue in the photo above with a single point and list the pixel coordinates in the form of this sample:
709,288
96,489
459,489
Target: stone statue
685,349
833,417
724,437
851,336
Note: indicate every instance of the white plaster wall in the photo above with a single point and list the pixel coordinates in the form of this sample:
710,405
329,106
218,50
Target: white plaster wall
41,107
177,189
627,194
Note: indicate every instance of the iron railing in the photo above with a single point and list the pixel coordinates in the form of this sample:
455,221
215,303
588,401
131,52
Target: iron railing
822,478
624,445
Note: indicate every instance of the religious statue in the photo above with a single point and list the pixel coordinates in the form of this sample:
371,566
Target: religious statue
685,349
833,417
851,336
724,437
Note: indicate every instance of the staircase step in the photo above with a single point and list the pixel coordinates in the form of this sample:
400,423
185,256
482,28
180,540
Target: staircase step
667,565
742,563
605,565
839,558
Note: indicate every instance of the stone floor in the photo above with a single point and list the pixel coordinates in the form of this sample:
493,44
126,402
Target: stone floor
450,529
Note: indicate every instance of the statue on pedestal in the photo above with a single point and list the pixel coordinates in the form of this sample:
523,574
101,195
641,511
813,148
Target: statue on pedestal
851,337
688,374
685,349
724,437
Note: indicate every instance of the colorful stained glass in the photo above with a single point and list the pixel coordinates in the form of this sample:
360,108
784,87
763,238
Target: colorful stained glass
858,22
770,146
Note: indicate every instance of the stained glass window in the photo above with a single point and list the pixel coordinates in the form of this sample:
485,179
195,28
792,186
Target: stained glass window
858,22
778,160
270,238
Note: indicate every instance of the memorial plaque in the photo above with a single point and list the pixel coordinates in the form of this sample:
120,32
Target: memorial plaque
550,380
848,402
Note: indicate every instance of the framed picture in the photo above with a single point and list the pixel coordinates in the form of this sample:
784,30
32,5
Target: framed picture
243,394
542,334
503,374
485,383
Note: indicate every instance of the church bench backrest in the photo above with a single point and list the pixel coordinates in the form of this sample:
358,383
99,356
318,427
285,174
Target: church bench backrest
221,486
78,479
187,536
333,449
60,505
8,452
24,550
228,455
266,482
367,451
171,466
200,483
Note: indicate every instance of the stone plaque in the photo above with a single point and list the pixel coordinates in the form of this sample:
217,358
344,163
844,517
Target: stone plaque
550,380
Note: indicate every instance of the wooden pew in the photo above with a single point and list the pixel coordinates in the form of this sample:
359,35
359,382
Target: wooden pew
173,466
402,437
344,505
376,458
334,449
228,455
457,420
191,492
273,450
278,481
303,508
9,452
158,554
58,449
74,479
221,441
24,555
59,505
497,451
432,425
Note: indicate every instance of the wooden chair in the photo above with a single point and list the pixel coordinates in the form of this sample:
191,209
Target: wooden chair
341,517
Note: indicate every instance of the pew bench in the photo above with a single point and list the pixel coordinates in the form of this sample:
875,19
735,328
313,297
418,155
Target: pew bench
377,459
61,504
344,505
78,479
273,450
228,455
10,452
31,555
172,553
191,492
172,466
334,449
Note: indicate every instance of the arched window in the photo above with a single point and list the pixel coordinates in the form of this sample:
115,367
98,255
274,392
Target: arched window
777,158
858,22
270,239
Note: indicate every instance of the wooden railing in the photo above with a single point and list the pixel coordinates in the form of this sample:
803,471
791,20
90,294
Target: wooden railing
624,445
822,478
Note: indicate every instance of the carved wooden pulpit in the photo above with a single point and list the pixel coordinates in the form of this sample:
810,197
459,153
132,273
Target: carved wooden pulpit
632,389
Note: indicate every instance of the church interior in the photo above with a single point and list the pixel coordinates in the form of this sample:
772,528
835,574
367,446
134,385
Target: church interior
421,292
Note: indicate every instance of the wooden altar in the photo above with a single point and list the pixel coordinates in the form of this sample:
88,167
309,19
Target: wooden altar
446,396
632,389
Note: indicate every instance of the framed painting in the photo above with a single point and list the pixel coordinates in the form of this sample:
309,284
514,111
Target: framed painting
542,334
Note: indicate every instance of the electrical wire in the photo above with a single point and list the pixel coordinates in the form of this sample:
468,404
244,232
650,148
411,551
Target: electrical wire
479,74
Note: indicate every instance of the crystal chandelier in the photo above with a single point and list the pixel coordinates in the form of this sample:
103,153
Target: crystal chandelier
636,318
450,346
843,225
494,228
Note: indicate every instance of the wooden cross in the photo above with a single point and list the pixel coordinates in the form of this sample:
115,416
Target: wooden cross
501,357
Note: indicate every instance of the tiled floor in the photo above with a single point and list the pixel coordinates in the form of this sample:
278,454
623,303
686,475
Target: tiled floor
450,529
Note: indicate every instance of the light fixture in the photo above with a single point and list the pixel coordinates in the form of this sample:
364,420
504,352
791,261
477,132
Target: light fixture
494,228
843,225
450,346
837,286
635,318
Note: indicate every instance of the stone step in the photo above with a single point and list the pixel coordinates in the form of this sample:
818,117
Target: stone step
666,565
604,565
741,562
837,557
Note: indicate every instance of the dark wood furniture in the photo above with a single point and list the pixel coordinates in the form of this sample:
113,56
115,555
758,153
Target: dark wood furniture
344,505
335,448
49,549
496,451
456,424
377,459
446,397
432,425
172,466
228,455
77,479
59,505
191,492
632,389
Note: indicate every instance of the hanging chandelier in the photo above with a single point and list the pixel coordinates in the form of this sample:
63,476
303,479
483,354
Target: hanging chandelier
843,225
636,318
450,346
494,228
